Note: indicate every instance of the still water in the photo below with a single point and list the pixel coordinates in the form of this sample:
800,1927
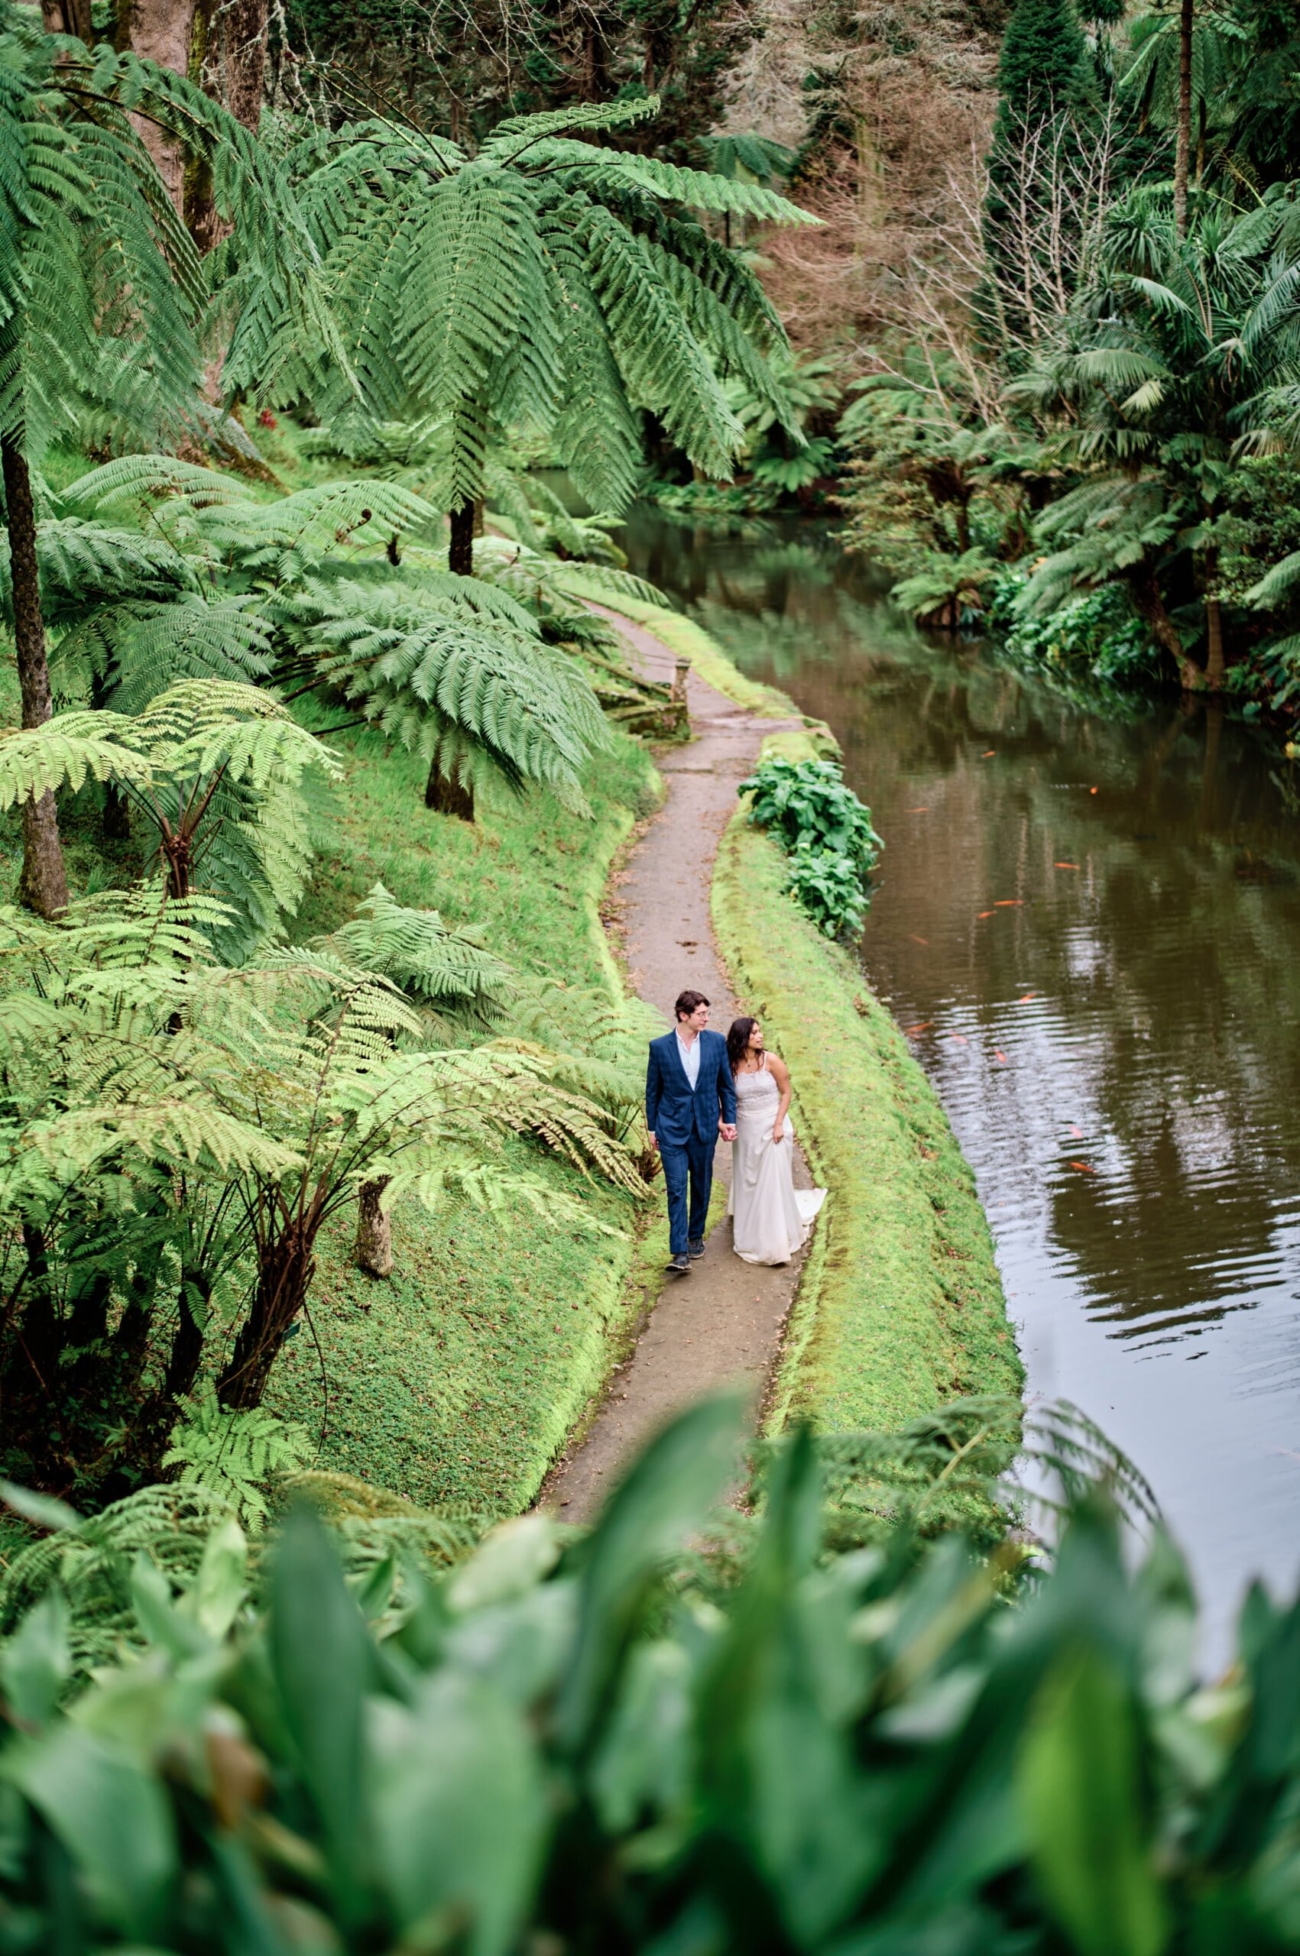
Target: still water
1091,931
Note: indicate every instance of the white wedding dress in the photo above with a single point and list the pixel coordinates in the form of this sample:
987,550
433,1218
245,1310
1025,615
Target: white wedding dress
771,1216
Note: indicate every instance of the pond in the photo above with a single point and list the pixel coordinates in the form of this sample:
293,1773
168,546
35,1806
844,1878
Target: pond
1090,929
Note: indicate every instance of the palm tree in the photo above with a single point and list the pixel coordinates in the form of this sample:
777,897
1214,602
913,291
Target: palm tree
1155,386
547,283
102,298
1184,72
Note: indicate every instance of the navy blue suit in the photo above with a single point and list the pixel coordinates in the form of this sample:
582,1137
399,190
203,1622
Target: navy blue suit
685,1125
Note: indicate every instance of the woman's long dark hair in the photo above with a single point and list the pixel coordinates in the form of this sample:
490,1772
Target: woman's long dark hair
738,1041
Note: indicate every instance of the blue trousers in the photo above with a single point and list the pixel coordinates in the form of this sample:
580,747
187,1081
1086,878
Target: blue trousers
695,1158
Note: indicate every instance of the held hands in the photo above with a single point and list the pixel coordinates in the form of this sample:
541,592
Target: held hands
727,1129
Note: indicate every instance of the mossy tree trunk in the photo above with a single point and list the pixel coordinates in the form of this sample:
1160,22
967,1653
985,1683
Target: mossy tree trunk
286,1266
44,884
374,1245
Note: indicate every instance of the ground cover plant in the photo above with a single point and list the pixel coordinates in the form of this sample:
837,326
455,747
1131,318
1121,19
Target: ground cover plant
826,832
617,1740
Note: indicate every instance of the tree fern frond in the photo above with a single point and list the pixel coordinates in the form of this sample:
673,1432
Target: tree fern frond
513,139
422,955
436,679
65,752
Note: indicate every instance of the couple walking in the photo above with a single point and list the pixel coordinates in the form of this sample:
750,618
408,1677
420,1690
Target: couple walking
699,1086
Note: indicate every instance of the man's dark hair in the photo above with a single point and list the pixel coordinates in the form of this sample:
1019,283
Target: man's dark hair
687,1002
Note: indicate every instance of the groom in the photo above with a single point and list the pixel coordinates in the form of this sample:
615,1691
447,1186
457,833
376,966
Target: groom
687,1081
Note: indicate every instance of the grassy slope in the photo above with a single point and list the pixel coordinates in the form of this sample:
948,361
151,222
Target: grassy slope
456,1381
900,1306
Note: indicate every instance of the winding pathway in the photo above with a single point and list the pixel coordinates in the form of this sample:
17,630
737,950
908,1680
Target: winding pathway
723,1323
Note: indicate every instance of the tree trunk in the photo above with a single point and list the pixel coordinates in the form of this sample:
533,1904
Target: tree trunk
448,796
44,884
68,17
1183,141
242,27
460,551
187,1344
228,59
1150,607
1214,659
284,1279
162,31
374,1245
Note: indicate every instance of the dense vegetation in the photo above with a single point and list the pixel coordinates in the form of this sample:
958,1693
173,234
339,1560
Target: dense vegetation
777,1739
1052,382
191,1102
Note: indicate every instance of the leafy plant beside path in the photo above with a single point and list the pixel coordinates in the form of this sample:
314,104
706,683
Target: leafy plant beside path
621,1744
827,834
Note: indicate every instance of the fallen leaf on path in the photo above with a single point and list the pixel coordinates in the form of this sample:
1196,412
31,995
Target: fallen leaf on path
1083,1168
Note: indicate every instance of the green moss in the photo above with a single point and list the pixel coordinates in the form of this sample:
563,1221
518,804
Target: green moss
900,1307
456,1381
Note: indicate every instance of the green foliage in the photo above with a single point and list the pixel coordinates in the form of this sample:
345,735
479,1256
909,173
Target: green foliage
1173,355
827,833
455,668
177,1134
611,1742
234,1455
547,283
1096,635
452,68
215,768
102,294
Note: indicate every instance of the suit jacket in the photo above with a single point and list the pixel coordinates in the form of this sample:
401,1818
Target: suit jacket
672,1112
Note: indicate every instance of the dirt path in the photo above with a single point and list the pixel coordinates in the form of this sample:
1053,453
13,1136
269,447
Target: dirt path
722,1323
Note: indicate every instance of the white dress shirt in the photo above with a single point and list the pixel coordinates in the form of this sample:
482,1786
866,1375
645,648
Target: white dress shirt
690,1059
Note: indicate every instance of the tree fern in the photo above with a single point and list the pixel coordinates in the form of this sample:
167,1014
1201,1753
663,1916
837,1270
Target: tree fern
102,297
423,956
452,688
215,767
523,286
235,1455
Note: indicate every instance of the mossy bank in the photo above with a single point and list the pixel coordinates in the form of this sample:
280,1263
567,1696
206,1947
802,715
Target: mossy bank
901,1306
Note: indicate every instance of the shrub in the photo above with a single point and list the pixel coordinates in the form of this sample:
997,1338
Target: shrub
589,1747
827,833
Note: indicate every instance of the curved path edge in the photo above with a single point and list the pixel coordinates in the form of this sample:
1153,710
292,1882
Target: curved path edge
723,1323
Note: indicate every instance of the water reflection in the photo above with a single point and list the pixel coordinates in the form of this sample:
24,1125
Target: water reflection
1091,925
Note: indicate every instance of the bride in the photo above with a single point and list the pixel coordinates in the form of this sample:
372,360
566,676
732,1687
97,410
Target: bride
771,1216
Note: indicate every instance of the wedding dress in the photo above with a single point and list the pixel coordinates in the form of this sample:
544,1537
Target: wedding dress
771,1216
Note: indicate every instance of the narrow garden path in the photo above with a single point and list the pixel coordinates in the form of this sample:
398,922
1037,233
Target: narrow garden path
723,1323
